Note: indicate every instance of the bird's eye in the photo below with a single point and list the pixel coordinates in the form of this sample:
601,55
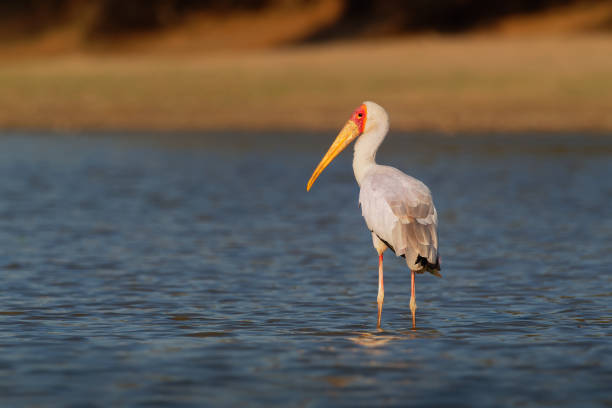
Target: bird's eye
360,115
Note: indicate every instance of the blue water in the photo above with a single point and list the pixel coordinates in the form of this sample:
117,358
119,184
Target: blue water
189,270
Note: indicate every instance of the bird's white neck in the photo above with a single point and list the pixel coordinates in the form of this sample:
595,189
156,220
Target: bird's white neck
365,150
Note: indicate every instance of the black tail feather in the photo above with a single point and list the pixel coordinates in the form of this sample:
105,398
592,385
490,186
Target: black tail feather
428,266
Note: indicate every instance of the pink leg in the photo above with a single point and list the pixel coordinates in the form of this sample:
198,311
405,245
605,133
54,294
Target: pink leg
413,305
381,288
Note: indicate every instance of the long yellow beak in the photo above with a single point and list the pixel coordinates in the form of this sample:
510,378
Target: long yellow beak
349,132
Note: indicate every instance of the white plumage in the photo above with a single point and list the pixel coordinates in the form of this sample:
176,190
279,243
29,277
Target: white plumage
398,209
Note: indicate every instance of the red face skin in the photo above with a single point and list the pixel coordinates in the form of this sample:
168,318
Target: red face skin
359,117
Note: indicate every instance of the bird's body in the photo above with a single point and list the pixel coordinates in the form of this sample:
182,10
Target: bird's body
398,209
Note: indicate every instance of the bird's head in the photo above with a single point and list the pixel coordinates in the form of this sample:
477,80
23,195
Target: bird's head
367,117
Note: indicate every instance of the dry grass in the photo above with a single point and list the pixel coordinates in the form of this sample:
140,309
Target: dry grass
451,84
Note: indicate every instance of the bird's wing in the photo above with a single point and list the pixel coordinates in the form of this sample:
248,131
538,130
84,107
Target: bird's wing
399,209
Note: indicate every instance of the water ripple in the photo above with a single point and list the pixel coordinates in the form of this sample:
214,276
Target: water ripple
148,274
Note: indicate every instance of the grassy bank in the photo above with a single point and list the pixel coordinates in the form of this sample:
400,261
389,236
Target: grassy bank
467,83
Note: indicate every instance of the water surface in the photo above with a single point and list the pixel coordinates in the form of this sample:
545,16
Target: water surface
194,270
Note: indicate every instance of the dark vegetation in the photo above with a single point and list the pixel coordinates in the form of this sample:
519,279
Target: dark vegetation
442,16
102,18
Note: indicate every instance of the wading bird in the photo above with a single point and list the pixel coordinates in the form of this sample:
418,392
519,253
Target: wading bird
398,209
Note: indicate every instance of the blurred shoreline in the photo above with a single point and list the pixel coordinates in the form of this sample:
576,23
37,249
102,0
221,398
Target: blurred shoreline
255,70
447,84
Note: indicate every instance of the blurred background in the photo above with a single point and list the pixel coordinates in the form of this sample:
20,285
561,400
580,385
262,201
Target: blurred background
449,65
